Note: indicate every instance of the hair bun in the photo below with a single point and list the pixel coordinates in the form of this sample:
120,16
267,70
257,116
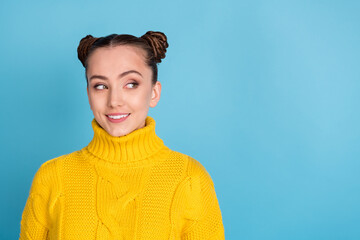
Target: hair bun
84,46
158,42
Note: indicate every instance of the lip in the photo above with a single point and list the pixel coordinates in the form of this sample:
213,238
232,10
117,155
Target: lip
114,114
117,120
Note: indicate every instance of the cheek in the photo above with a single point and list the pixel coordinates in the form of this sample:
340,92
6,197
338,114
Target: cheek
96,102
141,100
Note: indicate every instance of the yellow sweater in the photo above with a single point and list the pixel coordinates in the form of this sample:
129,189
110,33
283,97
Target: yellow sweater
129,187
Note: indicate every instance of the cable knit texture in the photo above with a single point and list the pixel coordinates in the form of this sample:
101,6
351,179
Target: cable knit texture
129,187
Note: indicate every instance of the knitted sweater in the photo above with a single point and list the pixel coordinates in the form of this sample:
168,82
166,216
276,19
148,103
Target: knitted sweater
129,187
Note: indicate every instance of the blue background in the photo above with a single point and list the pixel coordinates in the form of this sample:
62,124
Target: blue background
265,94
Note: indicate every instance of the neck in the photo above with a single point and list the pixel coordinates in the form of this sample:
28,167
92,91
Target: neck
137,145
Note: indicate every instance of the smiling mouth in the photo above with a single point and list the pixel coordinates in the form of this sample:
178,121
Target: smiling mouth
118,116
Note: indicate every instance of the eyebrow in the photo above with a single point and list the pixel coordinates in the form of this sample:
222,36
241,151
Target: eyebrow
120,75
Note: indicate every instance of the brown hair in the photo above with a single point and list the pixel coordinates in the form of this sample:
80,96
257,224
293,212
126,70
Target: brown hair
154,44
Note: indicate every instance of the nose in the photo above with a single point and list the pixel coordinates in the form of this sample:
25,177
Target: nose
116,98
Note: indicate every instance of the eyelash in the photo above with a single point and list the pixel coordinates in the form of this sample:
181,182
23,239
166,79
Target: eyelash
135,84
98,85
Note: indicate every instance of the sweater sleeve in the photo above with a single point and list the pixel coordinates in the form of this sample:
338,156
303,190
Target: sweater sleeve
203,215
35,219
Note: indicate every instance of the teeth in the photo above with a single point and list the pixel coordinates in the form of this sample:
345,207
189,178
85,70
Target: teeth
117,116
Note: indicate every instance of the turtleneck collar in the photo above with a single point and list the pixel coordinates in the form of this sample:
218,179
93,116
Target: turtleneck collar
137,145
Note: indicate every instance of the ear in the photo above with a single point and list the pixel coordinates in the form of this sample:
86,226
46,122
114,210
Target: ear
155,94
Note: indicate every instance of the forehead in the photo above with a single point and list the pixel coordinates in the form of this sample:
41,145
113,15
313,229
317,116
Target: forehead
117,58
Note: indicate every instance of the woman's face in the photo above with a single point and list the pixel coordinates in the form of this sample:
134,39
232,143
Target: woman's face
120,88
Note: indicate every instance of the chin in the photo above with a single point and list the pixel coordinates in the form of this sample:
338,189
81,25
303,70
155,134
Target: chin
118,133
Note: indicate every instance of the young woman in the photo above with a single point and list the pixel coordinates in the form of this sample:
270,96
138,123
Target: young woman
125,184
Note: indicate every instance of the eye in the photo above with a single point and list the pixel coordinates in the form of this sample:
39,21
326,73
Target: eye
100,86
132,85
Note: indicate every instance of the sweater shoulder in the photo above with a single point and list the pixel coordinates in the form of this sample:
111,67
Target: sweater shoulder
54,163
47,170
48,174
193,167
